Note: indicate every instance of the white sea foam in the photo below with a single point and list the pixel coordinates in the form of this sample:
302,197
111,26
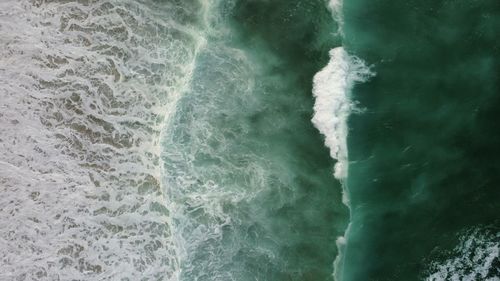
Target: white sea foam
85,87
476,258
332,89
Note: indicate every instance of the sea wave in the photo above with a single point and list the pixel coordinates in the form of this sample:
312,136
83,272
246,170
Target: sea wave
332,90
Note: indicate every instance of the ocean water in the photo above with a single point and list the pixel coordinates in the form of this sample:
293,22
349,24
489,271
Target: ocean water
85,88
267,140
423,175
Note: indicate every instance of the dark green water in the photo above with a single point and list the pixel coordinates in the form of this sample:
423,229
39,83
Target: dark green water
425,154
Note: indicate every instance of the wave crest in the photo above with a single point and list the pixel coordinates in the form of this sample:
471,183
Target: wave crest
331,89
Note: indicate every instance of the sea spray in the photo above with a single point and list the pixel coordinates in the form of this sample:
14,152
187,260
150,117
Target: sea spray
332,91
335,7
331,88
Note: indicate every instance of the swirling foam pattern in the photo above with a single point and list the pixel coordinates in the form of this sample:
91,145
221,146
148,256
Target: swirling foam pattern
85,89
